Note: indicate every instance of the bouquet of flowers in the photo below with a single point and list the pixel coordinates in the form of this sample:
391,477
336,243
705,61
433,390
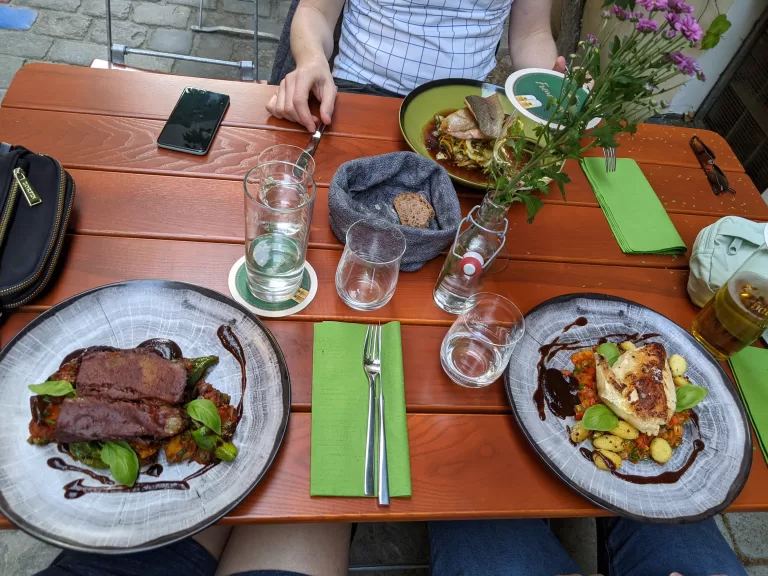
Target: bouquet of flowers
627,90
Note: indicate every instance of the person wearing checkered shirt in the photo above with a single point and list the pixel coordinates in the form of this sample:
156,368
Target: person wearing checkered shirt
391,46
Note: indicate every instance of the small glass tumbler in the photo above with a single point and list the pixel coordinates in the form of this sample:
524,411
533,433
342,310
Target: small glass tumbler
478,346
288,153
279,199
367,274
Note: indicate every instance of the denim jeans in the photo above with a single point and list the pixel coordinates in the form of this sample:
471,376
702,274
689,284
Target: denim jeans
625,548
476,548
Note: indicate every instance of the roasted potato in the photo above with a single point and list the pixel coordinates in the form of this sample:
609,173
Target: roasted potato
609,442
677,365
626,431
627,346
661,451
611,456
680,381
579,433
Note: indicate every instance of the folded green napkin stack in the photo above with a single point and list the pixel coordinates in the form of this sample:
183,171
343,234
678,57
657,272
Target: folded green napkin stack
750,368
340,411
634,212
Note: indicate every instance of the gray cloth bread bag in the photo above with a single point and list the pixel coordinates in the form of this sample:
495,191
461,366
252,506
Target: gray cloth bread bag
366,188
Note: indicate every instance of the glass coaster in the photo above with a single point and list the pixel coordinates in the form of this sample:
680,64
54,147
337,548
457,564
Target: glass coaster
238,288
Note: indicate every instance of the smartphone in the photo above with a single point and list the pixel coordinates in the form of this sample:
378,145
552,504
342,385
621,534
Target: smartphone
194,121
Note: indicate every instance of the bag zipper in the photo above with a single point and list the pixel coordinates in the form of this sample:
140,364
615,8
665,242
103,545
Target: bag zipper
10,205
57,227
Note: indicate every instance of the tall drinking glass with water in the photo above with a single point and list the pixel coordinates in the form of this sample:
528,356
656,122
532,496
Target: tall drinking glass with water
279,199
288,153
737,314
478,346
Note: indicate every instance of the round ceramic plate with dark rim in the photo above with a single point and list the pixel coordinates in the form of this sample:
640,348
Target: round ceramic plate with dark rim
32,494
439,96
716,475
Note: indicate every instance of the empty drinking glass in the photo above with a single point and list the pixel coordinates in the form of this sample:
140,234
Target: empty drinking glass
288,153
478,346
279,198
369,267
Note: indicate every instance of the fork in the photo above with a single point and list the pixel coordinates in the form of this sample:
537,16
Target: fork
372,367
610,159
310,149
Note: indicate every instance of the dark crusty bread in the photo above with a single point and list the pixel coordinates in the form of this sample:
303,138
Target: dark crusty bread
413,210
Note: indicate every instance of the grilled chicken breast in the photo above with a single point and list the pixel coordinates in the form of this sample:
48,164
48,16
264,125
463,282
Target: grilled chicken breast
638,387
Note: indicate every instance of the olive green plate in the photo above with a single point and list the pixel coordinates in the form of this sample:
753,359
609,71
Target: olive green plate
420,106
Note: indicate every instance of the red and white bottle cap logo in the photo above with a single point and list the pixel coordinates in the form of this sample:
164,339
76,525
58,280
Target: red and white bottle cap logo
471,264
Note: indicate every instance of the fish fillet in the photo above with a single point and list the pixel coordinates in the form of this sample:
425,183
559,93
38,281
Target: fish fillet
639,387
462,125
488,112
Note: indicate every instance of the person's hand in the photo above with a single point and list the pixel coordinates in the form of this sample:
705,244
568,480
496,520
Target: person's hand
292,99
559,65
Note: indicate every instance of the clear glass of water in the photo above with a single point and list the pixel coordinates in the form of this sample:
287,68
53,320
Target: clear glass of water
367,274
279,199
288,153
478,346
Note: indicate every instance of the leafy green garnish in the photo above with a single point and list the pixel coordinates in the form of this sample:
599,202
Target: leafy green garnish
599,417
610,352
53,388
198,367
689,396
122,461
204,411
89,453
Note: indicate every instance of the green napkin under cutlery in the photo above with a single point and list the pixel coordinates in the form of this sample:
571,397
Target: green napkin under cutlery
340,411
750,368
634,212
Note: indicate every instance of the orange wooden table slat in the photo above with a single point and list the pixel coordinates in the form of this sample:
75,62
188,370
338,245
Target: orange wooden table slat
114,203
54,87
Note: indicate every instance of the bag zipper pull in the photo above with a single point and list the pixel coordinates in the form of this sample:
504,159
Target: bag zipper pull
33,198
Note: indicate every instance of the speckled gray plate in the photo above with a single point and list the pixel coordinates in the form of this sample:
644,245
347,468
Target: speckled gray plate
123,315
716,476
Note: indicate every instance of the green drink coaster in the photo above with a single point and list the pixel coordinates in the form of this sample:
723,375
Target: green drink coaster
238,288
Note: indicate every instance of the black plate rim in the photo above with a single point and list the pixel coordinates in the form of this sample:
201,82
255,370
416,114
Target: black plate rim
436,84
746,465
180,534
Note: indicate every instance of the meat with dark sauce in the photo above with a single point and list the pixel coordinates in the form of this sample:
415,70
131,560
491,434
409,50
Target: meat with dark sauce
85,419
132,375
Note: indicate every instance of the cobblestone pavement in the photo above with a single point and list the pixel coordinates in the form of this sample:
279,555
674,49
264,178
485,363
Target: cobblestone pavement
74,32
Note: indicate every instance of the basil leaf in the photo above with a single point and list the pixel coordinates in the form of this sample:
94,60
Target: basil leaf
205,439
122,461
689,396
204,411
599,417
52,388
610,352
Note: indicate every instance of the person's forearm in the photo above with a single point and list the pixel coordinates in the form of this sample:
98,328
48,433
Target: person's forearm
535,51
311,35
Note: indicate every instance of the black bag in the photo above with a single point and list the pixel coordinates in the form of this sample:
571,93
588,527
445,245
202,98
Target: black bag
36,197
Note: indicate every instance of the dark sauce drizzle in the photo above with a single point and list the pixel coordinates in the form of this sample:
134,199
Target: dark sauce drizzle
169,350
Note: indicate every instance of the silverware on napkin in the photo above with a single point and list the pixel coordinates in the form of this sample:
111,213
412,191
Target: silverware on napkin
372,367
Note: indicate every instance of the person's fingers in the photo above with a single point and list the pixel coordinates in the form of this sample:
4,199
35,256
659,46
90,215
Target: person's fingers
290,85
559,64
327,100
301,101
272,103
280,103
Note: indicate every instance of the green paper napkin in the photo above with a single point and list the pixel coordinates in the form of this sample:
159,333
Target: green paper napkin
634,213
340,411
750,368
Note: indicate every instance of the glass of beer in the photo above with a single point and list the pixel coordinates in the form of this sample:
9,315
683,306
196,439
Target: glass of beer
738,314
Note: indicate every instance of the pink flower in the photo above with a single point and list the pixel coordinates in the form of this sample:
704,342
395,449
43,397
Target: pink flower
669,34
679,6
674,20
685,64
654,5
690,28
634,16
621,14
592,39
606,14
646,25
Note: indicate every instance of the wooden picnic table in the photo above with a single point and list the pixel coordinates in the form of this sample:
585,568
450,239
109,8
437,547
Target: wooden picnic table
143,212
